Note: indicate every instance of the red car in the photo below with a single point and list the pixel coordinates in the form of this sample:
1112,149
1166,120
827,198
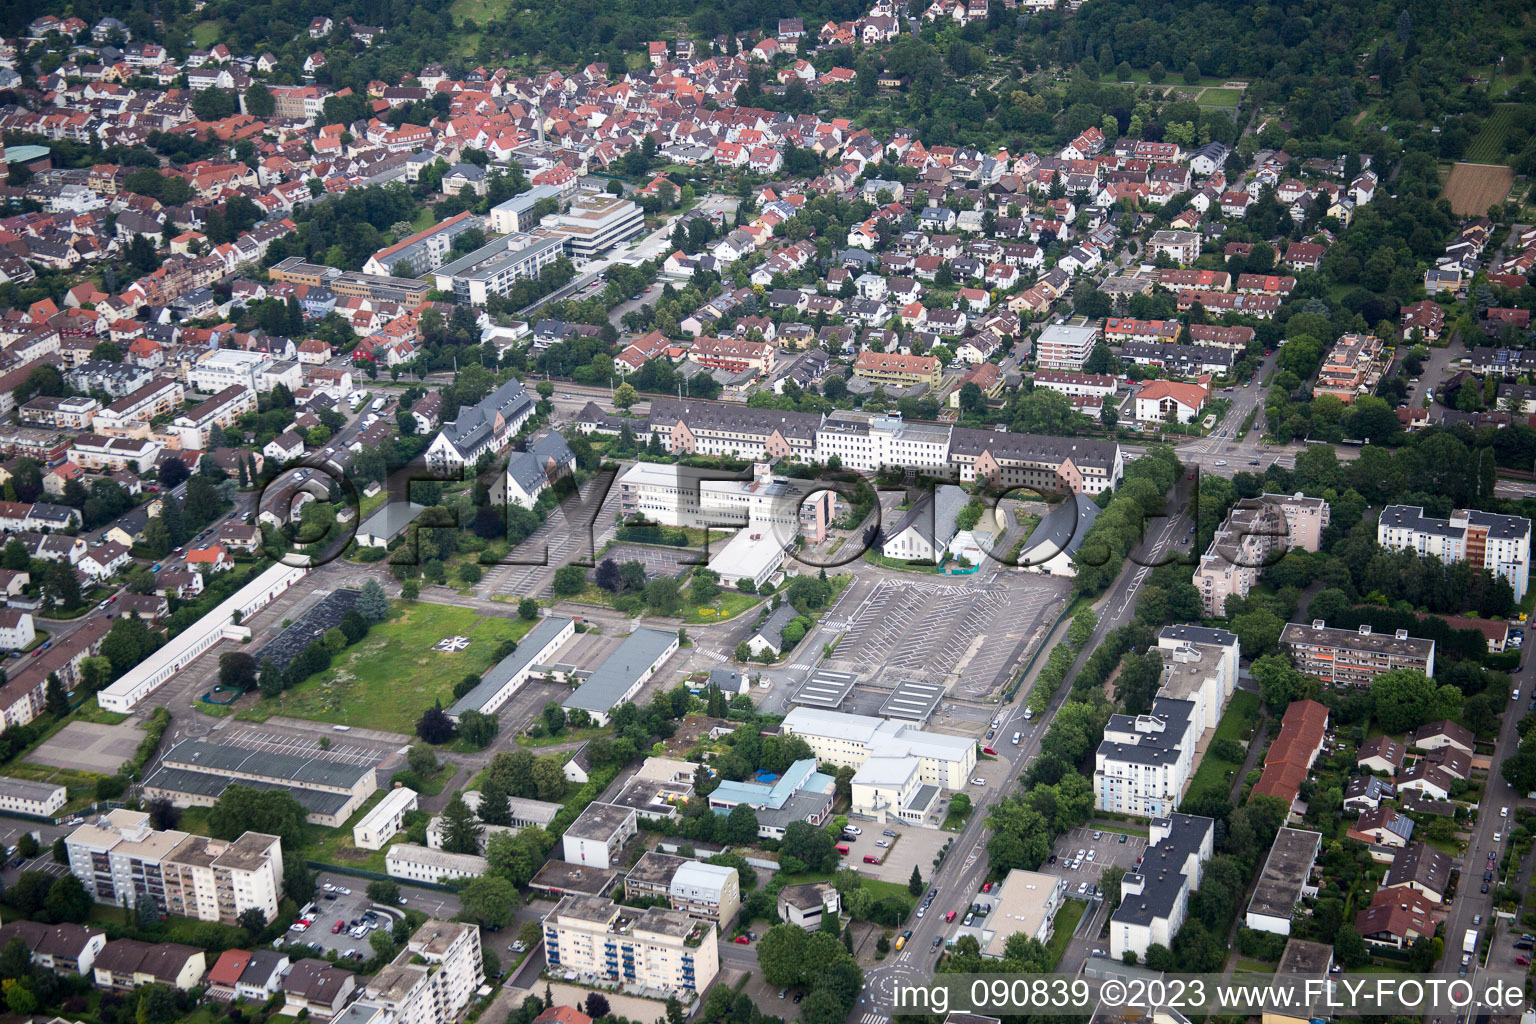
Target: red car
338,926
987,887
1522,960
742,940
989,750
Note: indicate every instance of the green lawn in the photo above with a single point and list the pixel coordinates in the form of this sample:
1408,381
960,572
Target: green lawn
1221,97
1211,778
207,34
387,680
728,605
336,847
1488,146
1067,917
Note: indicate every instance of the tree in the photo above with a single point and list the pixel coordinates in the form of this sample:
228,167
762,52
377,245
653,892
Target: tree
68,901
385,892
663,596
625,396
27,845
237,671
252,920
434,725
241,809
1404,699
55,699
554,718
597,1005
741,826
383,945
461,831
372,603
1348,947
915,883
258,101
528,609
157,1003
270,681
62,586
569,580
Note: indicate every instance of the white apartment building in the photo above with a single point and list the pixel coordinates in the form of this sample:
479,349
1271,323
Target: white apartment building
37,799
1499,544
220,368
1026,902
95,452
596,223
1154,901
865,442
432,979
222,410
133,412
387,818
598,834
1256,533
709,891
1064,347
1144,762
1077,385
16,630
119,858
843,739
658,949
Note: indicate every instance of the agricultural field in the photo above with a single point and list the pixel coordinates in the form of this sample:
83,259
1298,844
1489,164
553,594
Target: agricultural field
1472,188
1488,145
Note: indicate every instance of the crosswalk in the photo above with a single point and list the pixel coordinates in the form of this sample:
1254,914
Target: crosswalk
711,653
873,1018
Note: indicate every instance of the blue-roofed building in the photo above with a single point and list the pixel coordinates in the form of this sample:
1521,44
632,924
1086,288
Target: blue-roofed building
801,794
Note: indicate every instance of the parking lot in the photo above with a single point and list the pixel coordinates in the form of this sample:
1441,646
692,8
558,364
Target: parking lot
908,847
659,561
964,633
346,907
1107,850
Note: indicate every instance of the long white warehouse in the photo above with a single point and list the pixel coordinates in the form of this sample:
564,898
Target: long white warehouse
143,679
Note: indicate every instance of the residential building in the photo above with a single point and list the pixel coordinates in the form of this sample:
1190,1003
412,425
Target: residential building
63,949
1183,247
317,986
1154,900
664,950
125,964
598,834
1170,401
806,904
430,981
247,974
1422,869
1285,881
423,251
1397,917
32,799
411,862
1380,754
1077,385
1352,368
95,452
488,426
1353,657
531,472
1442,734
894,370
495,267
380,825
16,633
1382,827
1025,904
119,858
1498,543
1065,347
222,410
1291,756
800,794
1256,533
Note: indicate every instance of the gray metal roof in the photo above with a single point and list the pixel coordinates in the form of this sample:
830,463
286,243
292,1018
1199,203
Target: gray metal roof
498,674
209,784
199,755
913,700
825,688
389,520
610,681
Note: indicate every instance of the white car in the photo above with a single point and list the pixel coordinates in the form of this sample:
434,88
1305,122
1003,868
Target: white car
853,830
1504,812
328,887
1091,853
1498,837
978,782
343,890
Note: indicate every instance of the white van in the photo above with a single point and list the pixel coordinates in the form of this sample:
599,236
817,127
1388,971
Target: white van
1015,739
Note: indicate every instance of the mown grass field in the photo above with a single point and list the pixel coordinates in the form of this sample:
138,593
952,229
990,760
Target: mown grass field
1211,778
388,679
1220,97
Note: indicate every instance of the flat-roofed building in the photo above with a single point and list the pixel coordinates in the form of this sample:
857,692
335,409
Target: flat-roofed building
805,905
1285,880
658,949
496,266
220,368
1354,656
595,223
1498,543
379,825
1065,347
1256,533
119,858
842,739
708,891
429,982
1026,903
1154,900
598,834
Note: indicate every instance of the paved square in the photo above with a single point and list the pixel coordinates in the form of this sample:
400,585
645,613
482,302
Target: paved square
911,846
90,747
658,561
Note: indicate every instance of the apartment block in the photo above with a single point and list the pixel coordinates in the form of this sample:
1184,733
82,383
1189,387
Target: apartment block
431,980
1499,544
1256,533
132,412
222,410
119,858
1145,762
708,891
1353,657
1353,368
658,949
222,367
598,834
1064,347
894,370
1154,900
